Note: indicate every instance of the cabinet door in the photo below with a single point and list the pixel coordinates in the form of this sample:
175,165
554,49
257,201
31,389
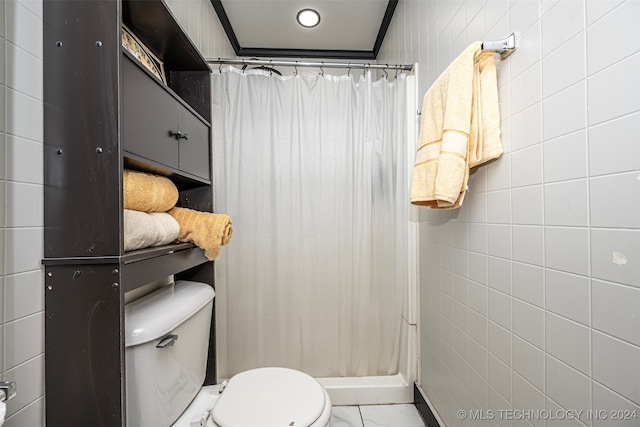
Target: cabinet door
149,115
194,151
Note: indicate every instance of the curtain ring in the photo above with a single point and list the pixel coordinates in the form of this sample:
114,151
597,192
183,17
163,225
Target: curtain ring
321,70
295,73
271,67
219,65
396,77
349,69
386,75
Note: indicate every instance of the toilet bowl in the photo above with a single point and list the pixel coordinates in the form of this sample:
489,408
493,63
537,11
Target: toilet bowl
167,337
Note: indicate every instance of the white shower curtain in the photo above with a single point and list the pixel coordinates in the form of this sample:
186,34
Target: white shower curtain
312,171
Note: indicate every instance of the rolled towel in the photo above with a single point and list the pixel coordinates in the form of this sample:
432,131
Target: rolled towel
142,230
168,227
207,230
148,193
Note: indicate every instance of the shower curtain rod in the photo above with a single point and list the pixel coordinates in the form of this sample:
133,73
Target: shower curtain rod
322,64
504,47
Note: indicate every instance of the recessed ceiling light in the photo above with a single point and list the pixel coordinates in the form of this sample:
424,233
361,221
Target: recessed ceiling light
308,18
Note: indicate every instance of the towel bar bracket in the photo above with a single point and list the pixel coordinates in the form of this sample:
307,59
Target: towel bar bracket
504,47
7,390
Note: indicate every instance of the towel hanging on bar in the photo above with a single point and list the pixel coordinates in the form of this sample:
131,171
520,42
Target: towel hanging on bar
460,129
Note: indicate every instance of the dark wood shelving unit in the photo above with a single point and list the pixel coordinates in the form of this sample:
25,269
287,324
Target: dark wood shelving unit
100,112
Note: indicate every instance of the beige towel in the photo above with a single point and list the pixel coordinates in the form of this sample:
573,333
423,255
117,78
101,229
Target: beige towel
148,193
142,230
460,129
168,228
207,230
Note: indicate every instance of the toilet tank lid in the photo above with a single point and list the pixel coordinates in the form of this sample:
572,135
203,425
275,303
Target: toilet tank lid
154,315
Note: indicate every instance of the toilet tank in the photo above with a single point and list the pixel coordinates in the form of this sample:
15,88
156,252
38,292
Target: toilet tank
167,341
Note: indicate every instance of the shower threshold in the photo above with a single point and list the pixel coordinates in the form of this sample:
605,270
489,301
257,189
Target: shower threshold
375,390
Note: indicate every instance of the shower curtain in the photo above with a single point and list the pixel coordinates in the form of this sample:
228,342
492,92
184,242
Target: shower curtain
312,170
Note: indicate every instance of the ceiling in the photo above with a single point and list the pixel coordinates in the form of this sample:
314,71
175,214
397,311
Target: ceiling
348,29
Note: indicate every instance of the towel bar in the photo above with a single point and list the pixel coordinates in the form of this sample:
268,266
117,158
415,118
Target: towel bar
503,47
7,390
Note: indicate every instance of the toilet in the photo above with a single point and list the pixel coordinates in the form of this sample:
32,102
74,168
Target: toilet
167,340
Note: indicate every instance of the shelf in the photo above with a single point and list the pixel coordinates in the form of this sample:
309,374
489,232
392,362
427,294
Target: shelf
143,266
166,87
183,180
154,24
86,148
186,70
147,265
127,258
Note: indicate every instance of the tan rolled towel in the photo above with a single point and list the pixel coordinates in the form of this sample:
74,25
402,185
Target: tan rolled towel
207,230
459,130
148,193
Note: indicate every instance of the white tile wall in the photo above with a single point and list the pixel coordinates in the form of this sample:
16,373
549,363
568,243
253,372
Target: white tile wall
622,376
526,166
527,283
567,295
556,167
567,341
500,275
528,323
559,24
528,362
610,401
567,249
624,321
558,120
603,36
567,203
527,206
530,43
500,342
21,191
22,317
525,127
627,212
617,136
565,385
564,67
615,255
526,88
553,229
528,244
610,96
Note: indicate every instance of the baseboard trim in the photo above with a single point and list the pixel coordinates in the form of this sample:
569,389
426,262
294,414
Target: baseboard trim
423,408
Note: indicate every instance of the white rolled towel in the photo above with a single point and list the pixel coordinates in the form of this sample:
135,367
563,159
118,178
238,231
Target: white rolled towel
142,230
168,227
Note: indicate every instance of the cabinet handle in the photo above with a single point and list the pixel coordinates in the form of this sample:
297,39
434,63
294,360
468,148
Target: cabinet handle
178,134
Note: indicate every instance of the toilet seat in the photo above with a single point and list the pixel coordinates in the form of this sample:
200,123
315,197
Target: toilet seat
270,397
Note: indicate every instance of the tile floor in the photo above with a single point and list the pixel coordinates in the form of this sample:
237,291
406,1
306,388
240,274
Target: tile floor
376,416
